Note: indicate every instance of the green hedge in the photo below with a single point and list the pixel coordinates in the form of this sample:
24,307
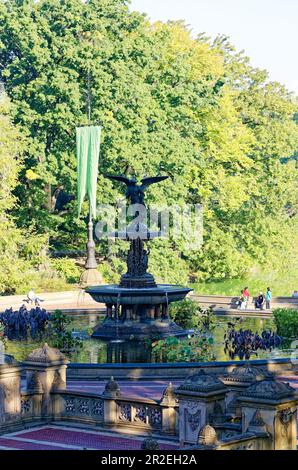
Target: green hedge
286,321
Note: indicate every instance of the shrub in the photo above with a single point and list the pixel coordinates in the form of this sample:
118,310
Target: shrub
194,348
183,313
188,314
67,269
60,336
286,321
112,269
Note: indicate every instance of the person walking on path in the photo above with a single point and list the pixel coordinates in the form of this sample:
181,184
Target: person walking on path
268,298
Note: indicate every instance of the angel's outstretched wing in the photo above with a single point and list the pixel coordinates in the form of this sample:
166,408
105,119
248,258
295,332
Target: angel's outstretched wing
123,179
151,180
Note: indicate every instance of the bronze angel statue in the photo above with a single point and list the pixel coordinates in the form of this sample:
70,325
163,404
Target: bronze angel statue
135,193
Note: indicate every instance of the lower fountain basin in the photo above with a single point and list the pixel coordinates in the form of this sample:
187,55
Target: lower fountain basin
161,294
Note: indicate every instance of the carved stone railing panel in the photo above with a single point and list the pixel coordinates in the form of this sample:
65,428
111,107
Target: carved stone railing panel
26,405
139,414
90,407
125,412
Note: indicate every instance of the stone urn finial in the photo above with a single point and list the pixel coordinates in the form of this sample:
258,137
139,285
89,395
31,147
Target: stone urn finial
112,389
168,395
207,436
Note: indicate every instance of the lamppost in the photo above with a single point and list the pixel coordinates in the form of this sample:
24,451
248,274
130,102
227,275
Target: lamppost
91,262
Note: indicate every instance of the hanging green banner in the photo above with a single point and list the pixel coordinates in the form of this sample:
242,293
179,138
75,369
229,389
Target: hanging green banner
88,144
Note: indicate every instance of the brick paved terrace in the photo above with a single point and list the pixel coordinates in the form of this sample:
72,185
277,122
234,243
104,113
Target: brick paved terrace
69,438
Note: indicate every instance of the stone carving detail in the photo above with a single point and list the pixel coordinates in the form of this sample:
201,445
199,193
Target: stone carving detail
257,419
35,384
46,354
269,389
155,416
8,390
201,382
58,382
125,412
193,419
245,374
257,424
140,414
25,406
97,408
191,405
286,415
83,407
70,406
79,406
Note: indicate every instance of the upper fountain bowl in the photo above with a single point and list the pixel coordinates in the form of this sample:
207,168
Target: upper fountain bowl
161,294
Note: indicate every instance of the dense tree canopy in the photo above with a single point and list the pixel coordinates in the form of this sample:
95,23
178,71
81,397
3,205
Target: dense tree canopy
190,108
20,250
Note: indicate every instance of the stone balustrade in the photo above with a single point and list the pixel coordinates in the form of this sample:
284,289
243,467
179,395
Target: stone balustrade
244,409
110,409
79,407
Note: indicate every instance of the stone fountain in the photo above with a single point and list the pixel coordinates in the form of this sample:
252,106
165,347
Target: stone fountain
138,307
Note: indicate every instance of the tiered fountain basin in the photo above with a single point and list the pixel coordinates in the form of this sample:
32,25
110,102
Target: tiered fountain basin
136,313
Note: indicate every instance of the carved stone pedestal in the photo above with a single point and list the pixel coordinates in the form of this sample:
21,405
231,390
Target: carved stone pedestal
46,373
237,382
201,398
270,407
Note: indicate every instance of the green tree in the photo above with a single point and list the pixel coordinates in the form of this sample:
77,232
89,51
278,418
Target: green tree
19,253
190,108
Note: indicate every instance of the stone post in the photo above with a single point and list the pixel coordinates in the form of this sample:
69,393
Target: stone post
10,391
237,382
45,373
270,406
110,394
201,397
169,410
